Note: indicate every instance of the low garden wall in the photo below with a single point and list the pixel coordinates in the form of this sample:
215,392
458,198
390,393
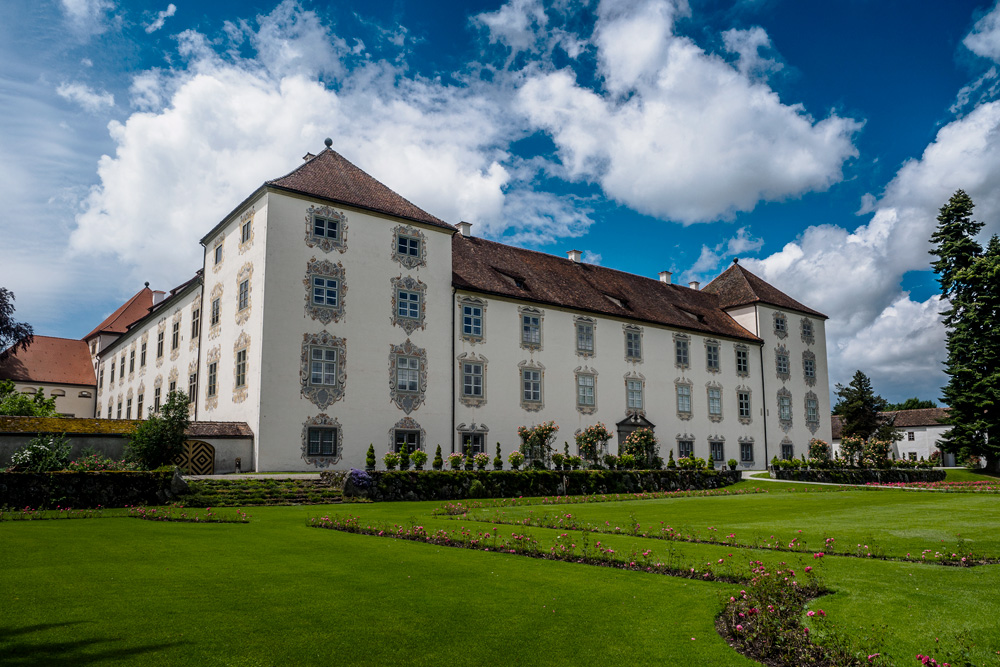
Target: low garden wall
88,489
457,484
859,475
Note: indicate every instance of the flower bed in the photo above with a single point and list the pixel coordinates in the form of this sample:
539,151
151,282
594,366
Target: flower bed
456,484
89,489
858,475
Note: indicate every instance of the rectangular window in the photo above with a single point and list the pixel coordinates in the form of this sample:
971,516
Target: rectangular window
323,366
241,368
324,291
584,337
175,336
408,245
681,353
746,451
781,361
128,408
472,320
121,373
172,388
633,345
585,390
112,371
192,387
326,228
785,408
119,413
131,361
138,406
743,398
218,254
684,398
531,383
244,297
913,456
742,361
712,356
216,310
812,410
718,451
411,439
159,344
407,373
685,448
472,379
156,399
142,355
809,367
213,377
633,394
109,411
195,323
531,330
807,328
714,401
408,304
787,452
322,442
911,436
100,377
473,443
780,324
245,231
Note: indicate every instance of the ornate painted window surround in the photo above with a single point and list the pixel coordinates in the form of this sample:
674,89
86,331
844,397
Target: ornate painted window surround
785,409
325,269
413,286
809,367
407,424
212,390
713,356
407,401
530,331
780,323
635,376
713,392
633,352
322,422
245,275
742,365
470,322
324,242
242,344
585,334
685,399
682,351
807,329
246,233
323,395
744,417
472,400
406,259
215,316
812,412
782,363
533,367
585,378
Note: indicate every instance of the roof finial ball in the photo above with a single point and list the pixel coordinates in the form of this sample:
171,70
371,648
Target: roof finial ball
147,283
736,260
328,141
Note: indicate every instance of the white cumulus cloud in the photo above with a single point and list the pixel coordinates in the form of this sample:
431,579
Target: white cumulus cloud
161,18
88,98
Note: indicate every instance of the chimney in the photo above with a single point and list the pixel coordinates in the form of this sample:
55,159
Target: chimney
307,157
665,277
158,296
574,256
694,284
465,229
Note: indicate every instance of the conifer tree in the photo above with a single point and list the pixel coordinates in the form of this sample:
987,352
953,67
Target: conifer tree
860,411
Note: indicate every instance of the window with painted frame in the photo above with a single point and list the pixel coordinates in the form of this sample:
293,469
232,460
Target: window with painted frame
131,361
142,355
245,231
100,378
173,386
119,413
531,329
121,372
586,390
243,301
175,336
195,323
407,374
472,379
718,451
785,408
742,361
743,401
812,410
322,366
809,367
684,399
407,304
213,379
241,367
159,344
192,387
112,380
712,357
128,408
408,245
322,441
682,352
634,395
715,402
216,314
633,345
787,451
326,228
156,399
409,438
685,449
531,385
746,452
584,338
474,443
472,321
138,406
218,254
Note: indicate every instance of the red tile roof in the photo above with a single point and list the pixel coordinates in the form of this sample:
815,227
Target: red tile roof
51,360
738,287
330,175
494,268
904,419
131,311
219,430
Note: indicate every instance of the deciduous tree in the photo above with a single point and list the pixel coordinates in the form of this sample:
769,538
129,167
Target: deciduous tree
14,335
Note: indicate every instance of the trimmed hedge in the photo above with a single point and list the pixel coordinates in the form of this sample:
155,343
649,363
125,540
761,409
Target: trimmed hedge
88,489
859,475
456,484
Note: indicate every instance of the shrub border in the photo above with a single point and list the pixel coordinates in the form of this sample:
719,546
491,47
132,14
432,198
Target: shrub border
858,475
87,489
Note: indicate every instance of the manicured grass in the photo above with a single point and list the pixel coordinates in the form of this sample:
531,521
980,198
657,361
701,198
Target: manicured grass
963,475
276,592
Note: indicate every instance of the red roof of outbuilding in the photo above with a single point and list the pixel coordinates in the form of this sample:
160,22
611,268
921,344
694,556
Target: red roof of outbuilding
132,310
50,360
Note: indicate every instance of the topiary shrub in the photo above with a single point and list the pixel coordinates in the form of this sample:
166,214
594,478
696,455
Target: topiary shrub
438,461
370,458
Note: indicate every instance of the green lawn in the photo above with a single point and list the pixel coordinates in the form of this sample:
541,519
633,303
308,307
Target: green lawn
275,592
963,475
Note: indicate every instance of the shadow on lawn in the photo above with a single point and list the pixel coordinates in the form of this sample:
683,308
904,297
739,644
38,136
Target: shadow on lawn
20,653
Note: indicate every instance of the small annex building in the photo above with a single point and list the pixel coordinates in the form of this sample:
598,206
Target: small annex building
331,313
920,432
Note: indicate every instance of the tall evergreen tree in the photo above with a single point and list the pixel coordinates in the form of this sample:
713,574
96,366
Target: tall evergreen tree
970,281
860,411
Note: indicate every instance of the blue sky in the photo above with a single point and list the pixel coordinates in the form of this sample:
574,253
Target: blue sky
815,141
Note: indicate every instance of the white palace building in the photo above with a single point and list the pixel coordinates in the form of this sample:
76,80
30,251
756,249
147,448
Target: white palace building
331,313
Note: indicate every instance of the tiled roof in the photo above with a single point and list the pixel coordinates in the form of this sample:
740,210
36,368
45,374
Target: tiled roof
494,268
80,426
132,310
738,287
331,176
50,360
904,419
219,430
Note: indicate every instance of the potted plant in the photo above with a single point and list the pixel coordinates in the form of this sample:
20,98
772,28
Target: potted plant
515,459
419,458
611,461
574,462
482,460
626,462
438,461
732,464
557,460
498,460
391,460
455,460
370,459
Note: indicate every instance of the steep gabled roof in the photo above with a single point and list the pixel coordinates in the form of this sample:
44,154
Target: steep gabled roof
129,312
494,268
50,360
331,176
738,287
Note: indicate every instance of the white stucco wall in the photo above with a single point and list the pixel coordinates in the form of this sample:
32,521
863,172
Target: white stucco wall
72,400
